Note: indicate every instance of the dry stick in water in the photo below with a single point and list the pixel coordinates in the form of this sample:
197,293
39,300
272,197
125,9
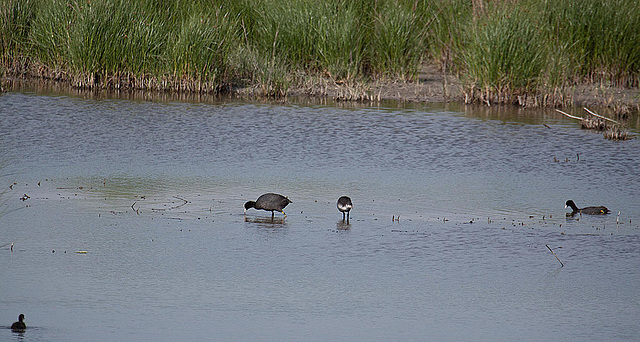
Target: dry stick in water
554,254
600,116
569,115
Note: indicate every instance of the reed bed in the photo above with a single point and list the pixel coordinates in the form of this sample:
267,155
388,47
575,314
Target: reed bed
504,57
523,52
595,124
599,39
616,133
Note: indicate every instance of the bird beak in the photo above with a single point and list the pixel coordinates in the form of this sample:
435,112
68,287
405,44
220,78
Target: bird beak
245,211
565,206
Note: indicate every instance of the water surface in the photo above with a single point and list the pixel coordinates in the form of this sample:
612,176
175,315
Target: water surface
153,192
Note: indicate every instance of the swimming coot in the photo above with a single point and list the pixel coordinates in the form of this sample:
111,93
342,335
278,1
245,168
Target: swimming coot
587,210
344,205
19,325
269,202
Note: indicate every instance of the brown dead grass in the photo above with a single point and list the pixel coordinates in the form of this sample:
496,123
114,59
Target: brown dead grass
430,85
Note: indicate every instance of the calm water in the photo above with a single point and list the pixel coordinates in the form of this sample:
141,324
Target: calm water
153,192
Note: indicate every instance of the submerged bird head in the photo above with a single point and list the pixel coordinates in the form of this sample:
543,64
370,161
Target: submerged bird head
570,204
249,205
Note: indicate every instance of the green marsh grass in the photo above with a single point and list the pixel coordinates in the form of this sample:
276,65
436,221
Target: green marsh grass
15,20
504,50
446,31
398,44
504,55
49,36
202,47
599,39
104,39
314,36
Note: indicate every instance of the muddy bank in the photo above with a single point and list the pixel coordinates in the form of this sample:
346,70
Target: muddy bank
431,85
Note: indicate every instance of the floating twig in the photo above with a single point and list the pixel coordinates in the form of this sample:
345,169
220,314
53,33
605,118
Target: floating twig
134,209
554,254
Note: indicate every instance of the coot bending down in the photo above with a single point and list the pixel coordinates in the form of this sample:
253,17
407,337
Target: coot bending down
269,202
344,205
19,325
587,210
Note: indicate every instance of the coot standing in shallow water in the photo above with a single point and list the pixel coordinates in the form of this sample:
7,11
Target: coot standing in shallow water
269,202
344,205
586,210
19,325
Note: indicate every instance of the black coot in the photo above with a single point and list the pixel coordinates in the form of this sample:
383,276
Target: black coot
344,205
269,202
587,210
19,325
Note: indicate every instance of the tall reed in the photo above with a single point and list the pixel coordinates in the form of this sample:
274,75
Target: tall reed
15,22
600,39
203,44
498,48
115,36
504,54
446,31
316,36
398,43
49,35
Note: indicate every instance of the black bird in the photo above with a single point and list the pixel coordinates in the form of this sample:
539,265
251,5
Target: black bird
19,325
586,210
269,202
344,205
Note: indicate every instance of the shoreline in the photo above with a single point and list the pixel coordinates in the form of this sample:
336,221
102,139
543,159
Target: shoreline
431,86
528,54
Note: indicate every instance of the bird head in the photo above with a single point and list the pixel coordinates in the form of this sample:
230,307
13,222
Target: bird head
249,205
